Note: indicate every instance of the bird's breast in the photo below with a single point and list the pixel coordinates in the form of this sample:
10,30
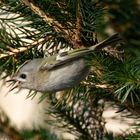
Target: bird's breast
66,76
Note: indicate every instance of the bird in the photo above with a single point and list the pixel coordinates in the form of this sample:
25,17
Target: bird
60,71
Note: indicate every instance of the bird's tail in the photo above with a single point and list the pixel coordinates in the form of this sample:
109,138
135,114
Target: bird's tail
110,40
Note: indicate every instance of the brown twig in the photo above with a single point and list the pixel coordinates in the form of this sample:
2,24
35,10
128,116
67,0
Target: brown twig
78,26
46,17
110,89
72,36
21,49
49,20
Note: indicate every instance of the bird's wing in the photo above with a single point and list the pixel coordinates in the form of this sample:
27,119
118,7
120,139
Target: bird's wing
69,56
65,58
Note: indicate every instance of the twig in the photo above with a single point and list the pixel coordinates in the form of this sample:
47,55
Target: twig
110,89
72,36
78,26
48,19
21,49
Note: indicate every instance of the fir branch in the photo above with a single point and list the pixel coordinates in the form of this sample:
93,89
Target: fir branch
15,51
110,91
48,19
73,34
82,115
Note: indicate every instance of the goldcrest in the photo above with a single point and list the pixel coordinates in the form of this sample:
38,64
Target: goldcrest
58,72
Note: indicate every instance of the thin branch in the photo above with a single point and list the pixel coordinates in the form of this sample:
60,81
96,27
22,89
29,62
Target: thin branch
110,89
78,25
72,36
46,17
49,20
21,49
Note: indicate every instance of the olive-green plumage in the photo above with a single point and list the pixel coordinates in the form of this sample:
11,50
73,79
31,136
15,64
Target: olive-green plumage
58,72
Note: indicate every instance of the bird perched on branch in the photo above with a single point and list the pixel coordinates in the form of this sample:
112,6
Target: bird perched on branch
58,72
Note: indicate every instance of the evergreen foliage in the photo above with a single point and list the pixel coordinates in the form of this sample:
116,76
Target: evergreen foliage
36,29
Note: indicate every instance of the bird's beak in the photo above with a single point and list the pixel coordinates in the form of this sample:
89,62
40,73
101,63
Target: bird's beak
12,80
14,83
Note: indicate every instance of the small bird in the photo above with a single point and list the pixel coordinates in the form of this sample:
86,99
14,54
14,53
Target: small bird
58,72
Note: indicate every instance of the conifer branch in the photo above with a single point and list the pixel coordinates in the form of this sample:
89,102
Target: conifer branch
50,21
46,17
14,51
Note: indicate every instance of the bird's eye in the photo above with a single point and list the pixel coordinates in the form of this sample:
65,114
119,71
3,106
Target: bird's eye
23,76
